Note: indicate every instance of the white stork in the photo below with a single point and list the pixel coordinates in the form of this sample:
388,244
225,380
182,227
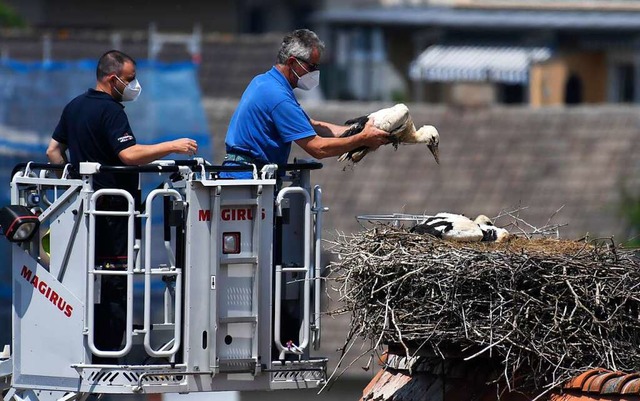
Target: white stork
397,121
491,233
456,227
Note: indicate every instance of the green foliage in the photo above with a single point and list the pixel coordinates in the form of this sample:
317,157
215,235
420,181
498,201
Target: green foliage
399,96
9,18
629,210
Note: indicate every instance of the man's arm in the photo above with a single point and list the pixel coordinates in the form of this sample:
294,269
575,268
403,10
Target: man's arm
56,152
327,130
320,147
145,154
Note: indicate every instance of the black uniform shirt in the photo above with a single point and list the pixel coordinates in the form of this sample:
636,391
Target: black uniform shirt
95,128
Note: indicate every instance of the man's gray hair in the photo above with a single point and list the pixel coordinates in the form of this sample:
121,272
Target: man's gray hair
299,43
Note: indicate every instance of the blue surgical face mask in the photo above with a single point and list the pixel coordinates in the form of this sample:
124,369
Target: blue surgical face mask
131,90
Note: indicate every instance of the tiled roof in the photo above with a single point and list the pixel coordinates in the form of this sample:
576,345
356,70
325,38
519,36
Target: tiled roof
434,379
598,383
458,380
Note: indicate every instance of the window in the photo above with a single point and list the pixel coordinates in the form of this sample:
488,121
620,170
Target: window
511,93
624,83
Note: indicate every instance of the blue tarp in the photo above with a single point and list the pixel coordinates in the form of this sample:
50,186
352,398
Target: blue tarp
32,96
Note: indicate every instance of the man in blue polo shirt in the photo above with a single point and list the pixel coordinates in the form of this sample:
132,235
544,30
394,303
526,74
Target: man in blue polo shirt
269,118
94,128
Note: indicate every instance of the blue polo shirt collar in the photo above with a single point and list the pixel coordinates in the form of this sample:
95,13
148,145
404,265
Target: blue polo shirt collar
275,73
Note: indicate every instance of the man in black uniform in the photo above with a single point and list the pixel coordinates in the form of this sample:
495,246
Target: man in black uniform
94,128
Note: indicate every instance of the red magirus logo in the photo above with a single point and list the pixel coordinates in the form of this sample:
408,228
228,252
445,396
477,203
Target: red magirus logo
46,291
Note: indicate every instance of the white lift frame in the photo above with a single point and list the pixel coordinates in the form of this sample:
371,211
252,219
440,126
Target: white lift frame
221,319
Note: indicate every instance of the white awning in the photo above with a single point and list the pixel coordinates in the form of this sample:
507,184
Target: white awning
474,63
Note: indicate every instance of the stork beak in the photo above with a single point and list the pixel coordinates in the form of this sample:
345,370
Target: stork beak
436,153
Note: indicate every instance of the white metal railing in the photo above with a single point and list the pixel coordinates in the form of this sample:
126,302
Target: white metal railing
93,272
318,209
306,269
395,219
255,243
169,271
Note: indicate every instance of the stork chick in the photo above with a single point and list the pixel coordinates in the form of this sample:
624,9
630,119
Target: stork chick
397,121
491,233
456,227
449,226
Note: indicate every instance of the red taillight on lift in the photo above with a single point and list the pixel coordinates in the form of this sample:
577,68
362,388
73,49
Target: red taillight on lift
231,243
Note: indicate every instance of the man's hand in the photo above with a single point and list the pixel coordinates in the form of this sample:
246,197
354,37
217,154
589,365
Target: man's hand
373,136
184,146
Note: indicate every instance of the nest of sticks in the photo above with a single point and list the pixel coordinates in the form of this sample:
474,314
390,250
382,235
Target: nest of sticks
544,310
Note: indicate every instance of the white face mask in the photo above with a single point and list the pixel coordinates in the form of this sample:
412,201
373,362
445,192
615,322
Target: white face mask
131,91
309,80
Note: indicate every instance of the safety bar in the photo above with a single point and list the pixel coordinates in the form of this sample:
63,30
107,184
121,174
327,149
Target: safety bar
305,268
158,168
93,272
148,272
301,165
318,209
172,166
24,173
34,165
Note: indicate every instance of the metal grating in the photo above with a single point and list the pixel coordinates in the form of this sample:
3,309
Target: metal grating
295,376
127,378
244,365
300,371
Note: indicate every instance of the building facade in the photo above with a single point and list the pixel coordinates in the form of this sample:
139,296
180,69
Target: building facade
385,50
243,16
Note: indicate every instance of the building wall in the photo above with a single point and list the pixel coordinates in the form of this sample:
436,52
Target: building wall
121,14
337,4
251,16
471,94
548,80
546,83
592,70
550,4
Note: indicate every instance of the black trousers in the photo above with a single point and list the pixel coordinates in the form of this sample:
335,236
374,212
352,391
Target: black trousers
110,317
